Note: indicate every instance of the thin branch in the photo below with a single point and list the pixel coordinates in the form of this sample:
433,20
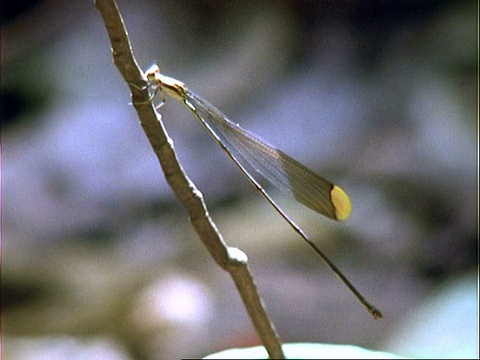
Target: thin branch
230,259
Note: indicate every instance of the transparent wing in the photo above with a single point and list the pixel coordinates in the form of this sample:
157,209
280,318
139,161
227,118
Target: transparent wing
275,166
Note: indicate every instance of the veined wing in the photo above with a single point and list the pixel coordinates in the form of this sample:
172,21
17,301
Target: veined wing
274,165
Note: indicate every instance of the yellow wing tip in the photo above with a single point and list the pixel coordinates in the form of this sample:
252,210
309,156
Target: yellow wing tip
341,203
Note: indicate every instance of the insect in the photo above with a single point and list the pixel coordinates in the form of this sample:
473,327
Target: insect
248,150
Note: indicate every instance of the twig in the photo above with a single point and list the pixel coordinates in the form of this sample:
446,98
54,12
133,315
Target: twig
230,259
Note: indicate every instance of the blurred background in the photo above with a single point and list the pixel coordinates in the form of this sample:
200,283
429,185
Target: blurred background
99,260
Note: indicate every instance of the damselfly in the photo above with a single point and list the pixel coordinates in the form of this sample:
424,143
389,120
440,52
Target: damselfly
282,171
